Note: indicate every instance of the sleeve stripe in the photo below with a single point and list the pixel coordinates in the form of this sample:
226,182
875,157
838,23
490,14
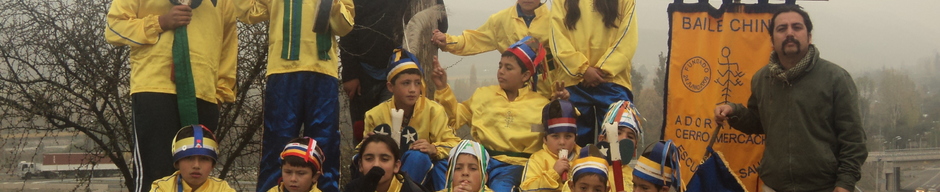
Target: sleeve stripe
629,24
555,52
122,36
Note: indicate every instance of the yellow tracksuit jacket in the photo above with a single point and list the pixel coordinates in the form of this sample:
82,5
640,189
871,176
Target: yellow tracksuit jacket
591,44
213,46
278,188
168,184
540,172
429,120
501,125
501,30
341,22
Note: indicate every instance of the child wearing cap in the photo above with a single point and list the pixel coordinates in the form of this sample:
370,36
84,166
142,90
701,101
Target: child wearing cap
501,116
468,167
301,93
625,115
425,160
590,173
545,168
655,171
194,155
380,164
301,166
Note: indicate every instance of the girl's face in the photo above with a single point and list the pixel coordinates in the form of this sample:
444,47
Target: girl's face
467,172
588,183
559,141
641,185
377,154
510,75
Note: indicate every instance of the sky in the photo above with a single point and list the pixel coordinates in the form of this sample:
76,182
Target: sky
859,35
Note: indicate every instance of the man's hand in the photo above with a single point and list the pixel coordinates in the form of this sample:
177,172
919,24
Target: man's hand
559,92
840,189
593,77
439,76
178,16
439,38
352,88
561,166
722,112
424,146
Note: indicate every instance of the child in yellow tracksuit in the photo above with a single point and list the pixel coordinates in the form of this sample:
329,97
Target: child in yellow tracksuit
588,174
593,42
545,168
426,121
500,116
194,155
183,62
302,87
468,166
301,163
506,27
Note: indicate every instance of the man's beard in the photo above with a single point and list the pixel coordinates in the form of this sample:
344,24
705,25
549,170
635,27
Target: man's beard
794,41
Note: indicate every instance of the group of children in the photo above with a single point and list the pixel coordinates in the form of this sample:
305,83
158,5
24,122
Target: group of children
427,156
580,50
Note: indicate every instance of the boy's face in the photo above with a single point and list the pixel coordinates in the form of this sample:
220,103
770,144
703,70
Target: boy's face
510,75
627,133
467,172
641,185
588,183
195,169
559,141
298,179
377,154
406,89
622,133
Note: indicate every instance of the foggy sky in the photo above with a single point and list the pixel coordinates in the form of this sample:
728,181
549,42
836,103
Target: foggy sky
859,35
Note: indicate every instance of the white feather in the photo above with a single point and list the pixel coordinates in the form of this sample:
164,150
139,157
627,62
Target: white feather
417,37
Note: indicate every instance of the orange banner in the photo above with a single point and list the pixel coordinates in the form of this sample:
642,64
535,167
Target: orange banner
712,56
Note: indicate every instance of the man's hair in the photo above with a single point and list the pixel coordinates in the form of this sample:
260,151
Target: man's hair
298,161
406,71
378,138
790,8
